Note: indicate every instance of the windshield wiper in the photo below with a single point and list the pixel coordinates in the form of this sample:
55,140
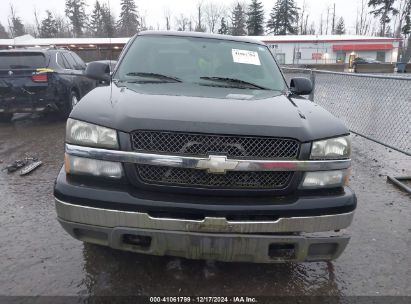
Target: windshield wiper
155,75
235,81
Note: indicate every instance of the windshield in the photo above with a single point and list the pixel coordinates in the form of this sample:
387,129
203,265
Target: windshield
202,61
23,60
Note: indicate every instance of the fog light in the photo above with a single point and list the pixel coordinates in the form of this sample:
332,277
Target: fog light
324,179
94,167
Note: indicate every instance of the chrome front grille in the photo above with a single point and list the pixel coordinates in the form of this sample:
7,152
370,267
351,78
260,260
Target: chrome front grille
204,145
249,147
160,175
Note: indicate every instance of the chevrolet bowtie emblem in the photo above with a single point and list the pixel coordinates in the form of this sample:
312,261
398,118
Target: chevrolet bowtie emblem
217,164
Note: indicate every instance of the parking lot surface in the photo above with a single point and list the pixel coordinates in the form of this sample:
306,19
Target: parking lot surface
38,258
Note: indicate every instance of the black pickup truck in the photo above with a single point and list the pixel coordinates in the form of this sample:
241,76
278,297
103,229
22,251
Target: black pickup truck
40,80
199,149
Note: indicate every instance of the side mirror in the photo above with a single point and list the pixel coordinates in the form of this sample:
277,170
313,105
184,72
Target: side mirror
80,67
301,86
98,71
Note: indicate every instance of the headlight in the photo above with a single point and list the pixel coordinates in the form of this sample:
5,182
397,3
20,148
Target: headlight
86,166
86,134
325,179
333,148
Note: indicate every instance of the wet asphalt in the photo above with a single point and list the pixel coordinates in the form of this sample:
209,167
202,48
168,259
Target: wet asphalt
38,258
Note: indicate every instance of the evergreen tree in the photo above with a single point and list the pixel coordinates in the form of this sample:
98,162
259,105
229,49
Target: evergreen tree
406,29
96,22
340,28
75,11
17,27
223,27
383,9
255,21
109,23
48,28
3,33
63,27
238,21
129,23
283,18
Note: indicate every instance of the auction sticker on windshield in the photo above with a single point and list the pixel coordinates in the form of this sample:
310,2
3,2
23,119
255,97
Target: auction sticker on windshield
246,57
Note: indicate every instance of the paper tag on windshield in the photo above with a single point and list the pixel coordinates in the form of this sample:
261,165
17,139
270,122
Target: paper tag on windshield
246,57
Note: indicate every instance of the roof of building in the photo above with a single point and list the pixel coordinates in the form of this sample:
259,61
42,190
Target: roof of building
324,38
28,40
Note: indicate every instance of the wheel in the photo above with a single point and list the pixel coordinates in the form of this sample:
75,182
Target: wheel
6,117
69,105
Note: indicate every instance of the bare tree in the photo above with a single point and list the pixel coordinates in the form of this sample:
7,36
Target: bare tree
213,13
328,20
62,25
311,30
321,26
305,27
167,16
15,24
143,23
31,29
302,18
182,23
333,22
36,20
363,20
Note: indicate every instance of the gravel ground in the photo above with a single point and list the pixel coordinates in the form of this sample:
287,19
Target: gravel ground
38,258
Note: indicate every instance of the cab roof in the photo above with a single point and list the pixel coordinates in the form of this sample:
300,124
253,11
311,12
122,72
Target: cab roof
201,35
32,50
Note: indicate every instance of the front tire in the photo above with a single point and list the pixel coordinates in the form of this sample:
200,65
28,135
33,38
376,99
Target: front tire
6,117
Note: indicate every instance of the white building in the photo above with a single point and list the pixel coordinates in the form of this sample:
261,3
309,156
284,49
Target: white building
331,48
288,49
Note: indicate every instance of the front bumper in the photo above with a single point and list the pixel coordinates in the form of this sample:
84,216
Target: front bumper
282,240
124,197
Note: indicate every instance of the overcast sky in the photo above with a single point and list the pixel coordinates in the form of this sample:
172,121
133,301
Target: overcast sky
153,10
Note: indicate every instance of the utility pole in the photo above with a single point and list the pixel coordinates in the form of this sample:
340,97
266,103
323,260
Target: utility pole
321,24
333,22
328,20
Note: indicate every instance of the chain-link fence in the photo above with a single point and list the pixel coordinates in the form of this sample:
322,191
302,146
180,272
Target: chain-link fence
374,106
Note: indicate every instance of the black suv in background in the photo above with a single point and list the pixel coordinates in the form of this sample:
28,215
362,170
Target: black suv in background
38,80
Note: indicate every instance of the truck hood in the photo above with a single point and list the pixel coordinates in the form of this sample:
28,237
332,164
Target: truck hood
203,109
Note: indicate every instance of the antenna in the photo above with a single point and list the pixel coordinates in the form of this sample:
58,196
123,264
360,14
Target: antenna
109,34
111,50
